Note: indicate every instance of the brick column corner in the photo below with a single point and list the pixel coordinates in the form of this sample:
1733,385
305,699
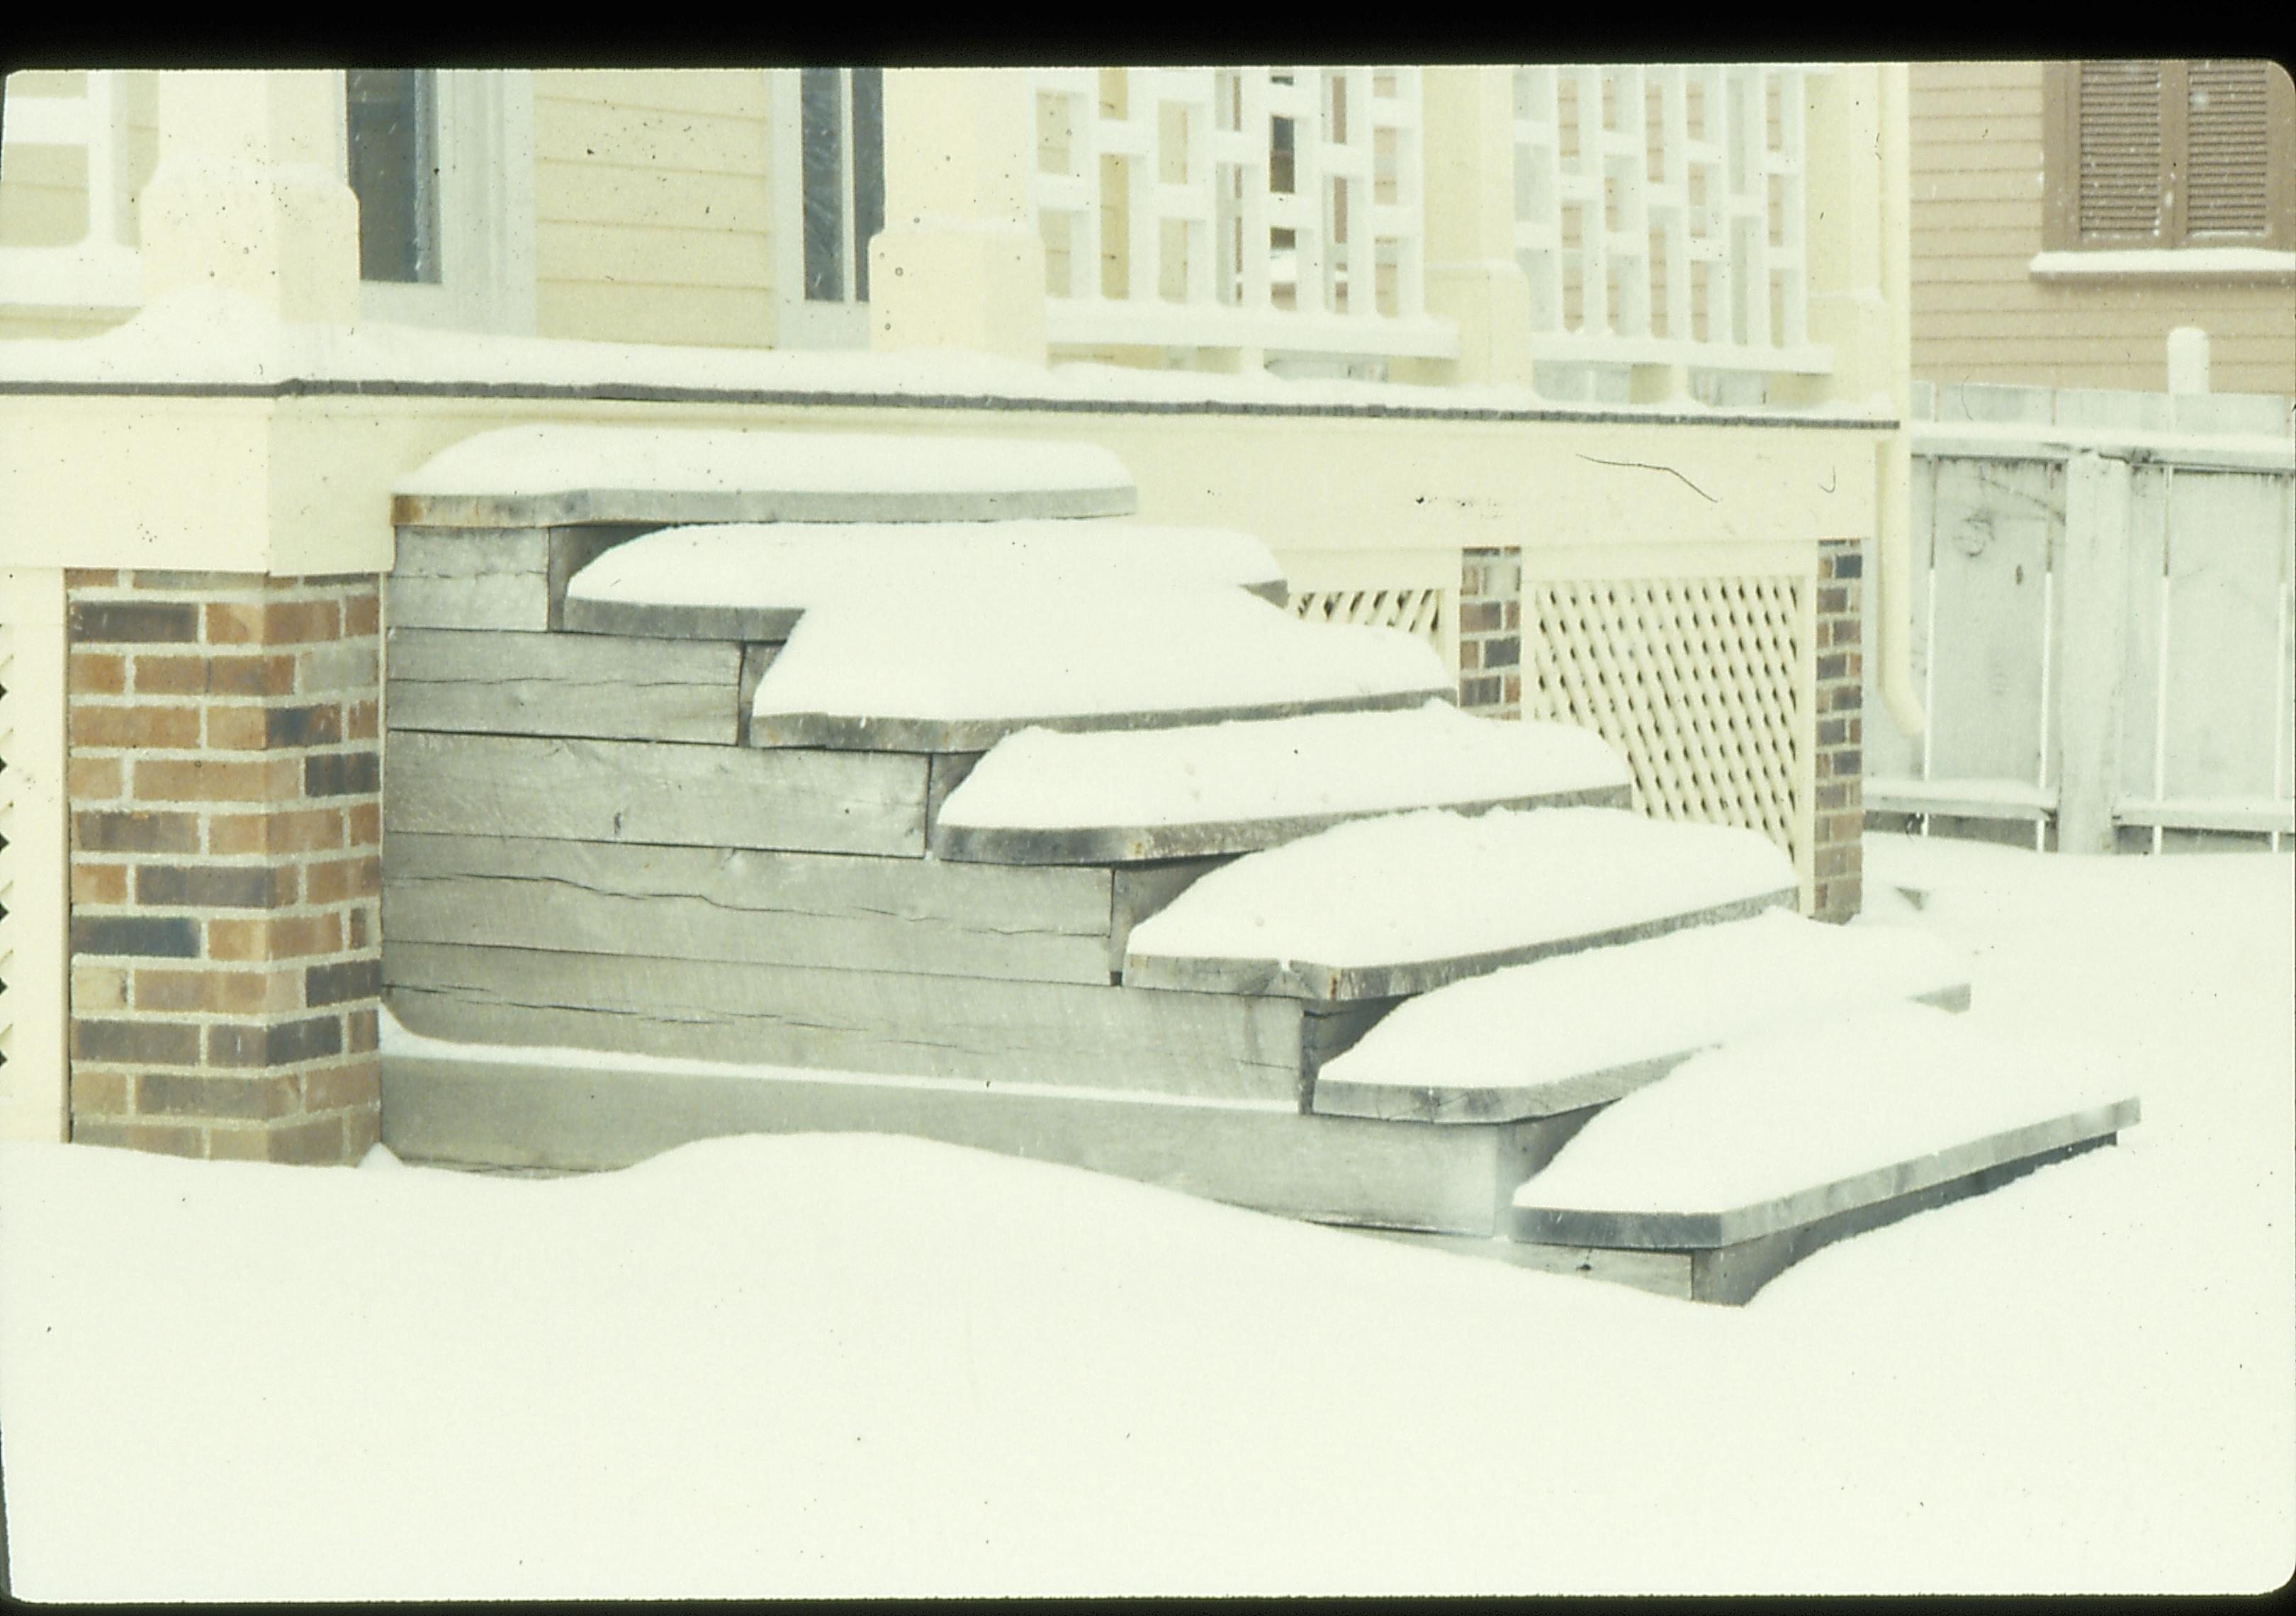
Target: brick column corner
1839,823
1490,631
224,777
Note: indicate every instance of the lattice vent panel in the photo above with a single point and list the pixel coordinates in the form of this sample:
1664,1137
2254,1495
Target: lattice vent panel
1695,680
1418,612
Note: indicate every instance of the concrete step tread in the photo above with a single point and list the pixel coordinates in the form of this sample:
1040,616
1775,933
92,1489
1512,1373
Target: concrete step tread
1796,1125
569,473
1048,797
754,580
1583,1028
1408,903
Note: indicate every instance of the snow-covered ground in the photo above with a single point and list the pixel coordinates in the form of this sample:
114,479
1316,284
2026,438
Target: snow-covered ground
860,1365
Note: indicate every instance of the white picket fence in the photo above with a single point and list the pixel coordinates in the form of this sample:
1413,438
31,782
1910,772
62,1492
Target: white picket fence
2137,645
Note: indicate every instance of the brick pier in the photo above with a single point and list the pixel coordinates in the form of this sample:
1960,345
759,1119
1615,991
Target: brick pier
225,786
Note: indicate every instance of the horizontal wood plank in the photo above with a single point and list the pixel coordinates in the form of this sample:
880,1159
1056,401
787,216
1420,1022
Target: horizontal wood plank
527,1112
991,1031
820,909
660,791
501,683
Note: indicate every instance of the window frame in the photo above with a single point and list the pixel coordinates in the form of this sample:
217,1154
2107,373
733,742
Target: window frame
2061,169
484,144
800,321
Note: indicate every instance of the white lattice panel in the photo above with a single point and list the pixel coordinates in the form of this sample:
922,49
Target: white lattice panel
1276,209
1659,214
1419,612
1697,681
33,854
103,268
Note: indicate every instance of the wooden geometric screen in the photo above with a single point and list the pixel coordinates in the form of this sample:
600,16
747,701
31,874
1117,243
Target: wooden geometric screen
1696,680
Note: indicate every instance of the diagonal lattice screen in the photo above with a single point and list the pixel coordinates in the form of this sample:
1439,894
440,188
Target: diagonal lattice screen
1694,679
1418,612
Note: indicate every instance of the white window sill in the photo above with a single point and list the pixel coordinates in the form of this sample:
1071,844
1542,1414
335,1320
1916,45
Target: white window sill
2168,264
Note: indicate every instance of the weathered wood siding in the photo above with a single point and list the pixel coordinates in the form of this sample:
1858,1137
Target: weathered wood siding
732,904
652,208
994,1031
1980,315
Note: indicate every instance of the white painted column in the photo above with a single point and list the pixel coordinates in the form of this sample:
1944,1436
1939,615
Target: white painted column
959,263
34,950
250,195
1473,277
2090,656
2188,360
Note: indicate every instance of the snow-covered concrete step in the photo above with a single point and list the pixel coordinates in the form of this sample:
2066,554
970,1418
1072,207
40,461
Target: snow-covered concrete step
543,475
1746,1158
1046,797
449,1100
753,581
1382,907
956,664
1584,1029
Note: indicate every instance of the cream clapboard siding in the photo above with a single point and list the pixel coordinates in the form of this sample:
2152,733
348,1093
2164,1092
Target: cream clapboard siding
651,204
44,194
1979,315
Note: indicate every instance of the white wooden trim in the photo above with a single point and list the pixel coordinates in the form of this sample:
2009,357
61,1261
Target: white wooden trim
486,212
34,960
800,321
101,269
2168,264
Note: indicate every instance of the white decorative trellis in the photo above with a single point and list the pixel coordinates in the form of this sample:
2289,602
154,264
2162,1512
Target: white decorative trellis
1234,207
102,269
1696,680
1659,214
1419,612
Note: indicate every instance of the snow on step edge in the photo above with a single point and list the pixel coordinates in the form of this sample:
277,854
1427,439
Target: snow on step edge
1406,903
1041,795
1748,1138
956,663
761,577
1582,1029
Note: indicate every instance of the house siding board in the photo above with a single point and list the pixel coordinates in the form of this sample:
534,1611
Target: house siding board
651,207
1978,214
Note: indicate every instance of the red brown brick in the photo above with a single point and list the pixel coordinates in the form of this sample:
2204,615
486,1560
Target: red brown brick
290,831
365,828
273,622
227,674
94,882
91,672
343,878
319,1141
142,728
95,779
362,612
162,1138
99,1091
276,937
340,1087
208,780
221,992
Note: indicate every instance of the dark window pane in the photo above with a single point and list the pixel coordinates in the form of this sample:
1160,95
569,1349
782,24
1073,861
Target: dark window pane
821,103
868,170
394,170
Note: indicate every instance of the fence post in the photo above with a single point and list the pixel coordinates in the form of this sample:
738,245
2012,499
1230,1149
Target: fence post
2095,612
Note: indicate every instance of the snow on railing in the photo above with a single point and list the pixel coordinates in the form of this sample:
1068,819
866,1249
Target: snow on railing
101,269
1649,244
1266,208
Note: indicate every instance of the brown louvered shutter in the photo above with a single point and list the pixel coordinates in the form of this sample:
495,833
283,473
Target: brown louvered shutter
2119,190
2228,150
